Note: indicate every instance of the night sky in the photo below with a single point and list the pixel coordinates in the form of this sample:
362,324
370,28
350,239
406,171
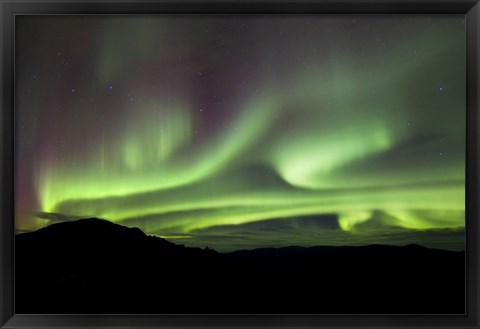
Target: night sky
245,131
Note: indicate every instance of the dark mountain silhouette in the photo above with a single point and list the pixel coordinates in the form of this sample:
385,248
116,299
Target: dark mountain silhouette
95,266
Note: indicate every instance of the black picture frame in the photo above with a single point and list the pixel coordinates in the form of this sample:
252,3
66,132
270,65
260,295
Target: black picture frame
10,8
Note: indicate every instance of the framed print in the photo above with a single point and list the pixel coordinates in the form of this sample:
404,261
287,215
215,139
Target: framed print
270,164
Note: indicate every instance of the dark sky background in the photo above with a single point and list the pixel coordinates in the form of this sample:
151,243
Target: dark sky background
245,131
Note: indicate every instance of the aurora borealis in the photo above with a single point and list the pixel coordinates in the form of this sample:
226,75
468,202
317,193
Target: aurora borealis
245,131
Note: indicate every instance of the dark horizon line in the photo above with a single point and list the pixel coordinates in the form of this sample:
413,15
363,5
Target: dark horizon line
291,246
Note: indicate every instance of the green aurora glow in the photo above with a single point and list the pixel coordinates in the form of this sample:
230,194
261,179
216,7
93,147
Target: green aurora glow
335,123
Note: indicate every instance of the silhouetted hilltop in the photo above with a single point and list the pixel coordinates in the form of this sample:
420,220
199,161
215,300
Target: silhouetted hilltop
93,228
97,238
95,266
